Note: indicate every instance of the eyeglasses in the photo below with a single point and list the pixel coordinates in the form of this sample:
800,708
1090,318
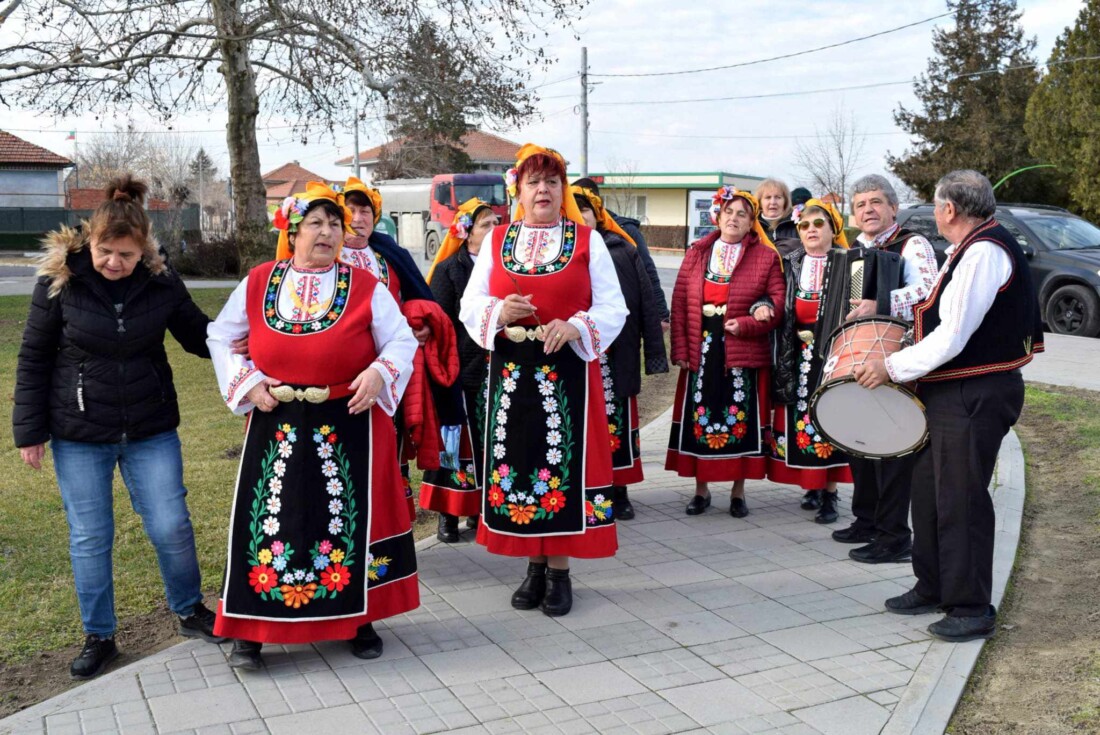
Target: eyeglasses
805,224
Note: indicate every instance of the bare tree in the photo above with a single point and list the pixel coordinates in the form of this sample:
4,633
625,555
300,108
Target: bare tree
833,154
620,198
104,156
295,61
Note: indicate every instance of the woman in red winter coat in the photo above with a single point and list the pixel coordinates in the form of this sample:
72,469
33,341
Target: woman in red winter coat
722,398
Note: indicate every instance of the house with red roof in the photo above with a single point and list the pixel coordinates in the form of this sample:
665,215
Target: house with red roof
30,175
288,179
489,154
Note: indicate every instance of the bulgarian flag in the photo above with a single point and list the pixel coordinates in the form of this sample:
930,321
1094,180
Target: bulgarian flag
71,135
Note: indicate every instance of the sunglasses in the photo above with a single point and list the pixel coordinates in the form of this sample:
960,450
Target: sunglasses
817,222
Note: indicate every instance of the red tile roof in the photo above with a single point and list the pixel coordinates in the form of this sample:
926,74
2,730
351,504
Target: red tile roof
288,179
480,146
87,199
18,152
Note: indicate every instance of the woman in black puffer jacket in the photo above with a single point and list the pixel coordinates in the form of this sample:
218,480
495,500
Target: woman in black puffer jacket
93,380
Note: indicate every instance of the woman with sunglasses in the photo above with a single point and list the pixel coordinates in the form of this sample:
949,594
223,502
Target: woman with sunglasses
798,454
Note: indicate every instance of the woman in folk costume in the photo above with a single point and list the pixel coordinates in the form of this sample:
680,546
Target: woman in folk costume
620,363
456,491
320,542
544,300
797,454
722,404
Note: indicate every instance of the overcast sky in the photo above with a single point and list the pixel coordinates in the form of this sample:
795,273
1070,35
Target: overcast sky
749,136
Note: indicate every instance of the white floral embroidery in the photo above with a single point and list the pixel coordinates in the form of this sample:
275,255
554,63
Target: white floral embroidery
546,388
506,402
553,438
279,467
335,487
498,451
509,385
275,485
553,421
335,506
335,525
284,449
324,451
328,468
553,455
274,504
549,405
271,526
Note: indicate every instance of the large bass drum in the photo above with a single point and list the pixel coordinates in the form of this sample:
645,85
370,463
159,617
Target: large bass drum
888,421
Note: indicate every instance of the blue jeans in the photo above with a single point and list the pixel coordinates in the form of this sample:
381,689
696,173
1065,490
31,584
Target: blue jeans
153,472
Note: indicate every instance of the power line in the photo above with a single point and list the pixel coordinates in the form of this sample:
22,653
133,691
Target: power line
732,137
784,56
574,75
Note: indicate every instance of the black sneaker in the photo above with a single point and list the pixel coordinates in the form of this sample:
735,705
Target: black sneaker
98,651
882,553
827,512
854,534
811,500
200,624
959,630
366,644
624,509
246,655
910,604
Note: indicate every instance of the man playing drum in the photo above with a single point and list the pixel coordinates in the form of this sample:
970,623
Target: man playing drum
880,499
978,327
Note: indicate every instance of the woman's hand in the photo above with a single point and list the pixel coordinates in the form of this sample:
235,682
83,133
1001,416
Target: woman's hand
422,334
515,307
367,385
261,397
240,347
683,364
733,327
33,455
556,334
763,313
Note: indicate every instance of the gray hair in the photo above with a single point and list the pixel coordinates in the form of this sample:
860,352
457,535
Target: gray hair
969,191
874,182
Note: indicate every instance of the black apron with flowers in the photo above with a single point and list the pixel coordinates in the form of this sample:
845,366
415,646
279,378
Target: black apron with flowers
534,441
626,441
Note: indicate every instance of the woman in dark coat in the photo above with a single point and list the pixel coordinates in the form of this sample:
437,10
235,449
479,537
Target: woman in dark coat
456,491
775,215
619,365
93,380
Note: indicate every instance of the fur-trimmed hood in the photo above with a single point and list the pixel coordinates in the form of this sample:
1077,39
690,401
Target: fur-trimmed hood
58,246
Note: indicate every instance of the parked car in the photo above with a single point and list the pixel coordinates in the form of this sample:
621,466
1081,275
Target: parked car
1064,253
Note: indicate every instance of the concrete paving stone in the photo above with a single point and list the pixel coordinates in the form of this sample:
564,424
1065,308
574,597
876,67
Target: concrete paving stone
720,593
590,683
652,603
626,639
671,668
737,563
591,609
884,697
830,548
560,721
481,600
812,642
627,578
202,708
793,686
124,687
255,727
742,656
555,651
692,629
676,573
349,718
438,710
668,529
696,546
642,554
437,636
774,517
883,630
902,573
454,577
714,702
779,583
802,530
515,625
608,564
381,679
834,573
826,605
852,716
494,699
909,655
755,539
338,655
794,557
640,714
764,616
770,723
874,594
291,661
471,664
432,608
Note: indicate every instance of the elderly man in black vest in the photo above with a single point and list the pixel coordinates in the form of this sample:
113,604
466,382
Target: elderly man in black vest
978,328
880,500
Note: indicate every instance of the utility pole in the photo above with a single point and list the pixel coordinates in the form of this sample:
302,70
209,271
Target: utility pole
584,111
201,167
355,158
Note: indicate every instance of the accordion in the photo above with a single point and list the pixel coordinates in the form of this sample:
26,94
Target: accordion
859,273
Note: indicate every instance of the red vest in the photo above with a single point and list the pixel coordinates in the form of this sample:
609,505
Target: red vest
330,350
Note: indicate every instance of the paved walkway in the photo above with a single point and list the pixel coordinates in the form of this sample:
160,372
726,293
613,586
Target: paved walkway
706,624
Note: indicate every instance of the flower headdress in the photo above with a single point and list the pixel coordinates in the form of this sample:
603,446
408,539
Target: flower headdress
458,232
286,217
836,219
727,193
603,217
796,213
511,179
373,195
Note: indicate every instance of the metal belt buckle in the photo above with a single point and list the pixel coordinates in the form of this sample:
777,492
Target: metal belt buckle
712,310
286,394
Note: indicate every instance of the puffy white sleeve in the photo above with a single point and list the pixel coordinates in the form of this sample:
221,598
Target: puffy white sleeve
236,375
396,347
920,269
479,312
601,324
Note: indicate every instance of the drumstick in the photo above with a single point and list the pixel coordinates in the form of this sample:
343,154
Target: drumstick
516,284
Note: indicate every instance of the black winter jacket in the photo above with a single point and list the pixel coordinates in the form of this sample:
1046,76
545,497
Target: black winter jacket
633,228
642,324
89,374
784,235
448,284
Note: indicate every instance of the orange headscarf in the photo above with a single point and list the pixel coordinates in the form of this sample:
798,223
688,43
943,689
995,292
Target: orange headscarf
603,217
835,218
726,193
458,232
286,216
375,196
569,208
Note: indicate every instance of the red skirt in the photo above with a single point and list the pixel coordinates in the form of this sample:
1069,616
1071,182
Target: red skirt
626,457
457,492
808,478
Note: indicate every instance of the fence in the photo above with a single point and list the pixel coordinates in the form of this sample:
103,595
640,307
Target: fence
23,227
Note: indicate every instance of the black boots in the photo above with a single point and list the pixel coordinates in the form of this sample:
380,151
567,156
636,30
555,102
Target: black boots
246,655
366,643
623,510
98,651
811,500
532,589
200,624
559,593
447,531
827,513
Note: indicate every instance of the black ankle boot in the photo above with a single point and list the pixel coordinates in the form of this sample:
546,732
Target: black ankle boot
828,513
98,651
559,593
624,511
366,643
532,589
472,521
447,532
246,655
812,499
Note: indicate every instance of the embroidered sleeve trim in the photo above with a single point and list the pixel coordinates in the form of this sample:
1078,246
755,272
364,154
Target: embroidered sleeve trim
487,327
593,332
239,379
394,374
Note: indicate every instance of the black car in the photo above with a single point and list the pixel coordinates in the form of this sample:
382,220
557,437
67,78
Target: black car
1064,252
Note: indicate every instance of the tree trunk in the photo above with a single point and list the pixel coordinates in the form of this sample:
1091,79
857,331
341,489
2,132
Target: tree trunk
254,242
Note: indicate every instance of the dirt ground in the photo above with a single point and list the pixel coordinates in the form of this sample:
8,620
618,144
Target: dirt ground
1041,673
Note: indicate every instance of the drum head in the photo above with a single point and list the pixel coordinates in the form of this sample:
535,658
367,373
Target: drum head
888,421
